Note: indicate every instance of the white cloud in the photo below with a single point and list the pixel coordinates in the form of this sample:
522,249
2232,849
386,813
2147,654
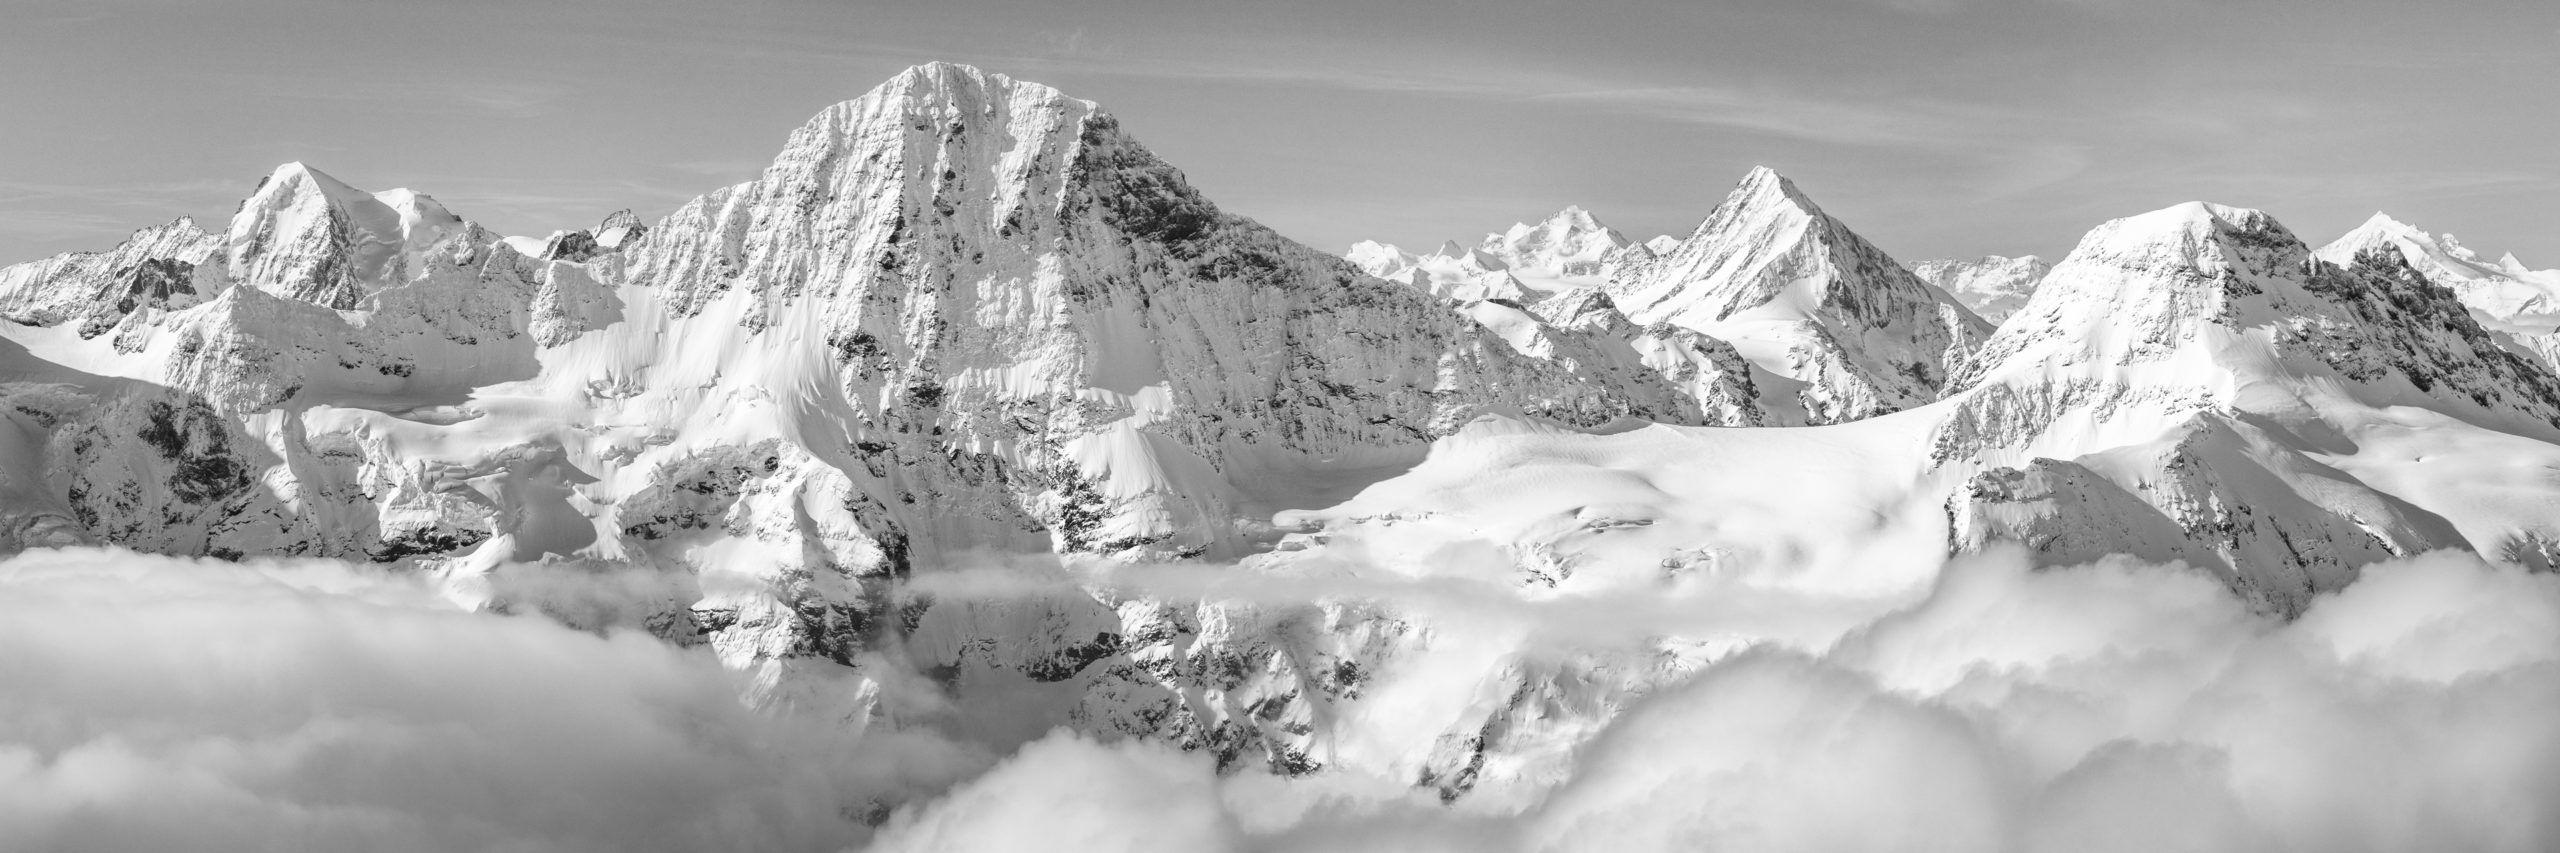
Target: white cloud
158,703
1069,793
2111,707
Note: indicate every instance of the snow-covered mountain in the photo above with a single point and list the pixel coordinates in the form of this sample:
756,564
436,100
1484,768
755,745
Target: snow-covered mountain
949,418
1992,286
1523,263
2505,291
1832,328
1808,301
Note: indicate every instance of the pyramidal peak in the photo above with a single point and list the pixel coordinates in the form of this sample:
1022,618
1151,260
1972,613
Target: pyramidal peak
308,236
1805,298
1764,186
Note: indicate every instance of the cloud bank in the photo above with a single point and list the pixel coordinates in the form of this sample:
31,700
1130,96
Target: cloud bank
166,704
157,703
2118,706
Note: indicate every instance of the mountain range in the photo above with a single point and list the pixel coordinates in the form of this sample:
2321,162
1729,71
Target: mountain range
968,324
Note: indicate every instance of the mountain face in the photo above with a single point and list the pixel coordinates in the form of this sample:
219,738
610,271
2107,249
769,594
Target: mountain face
967,331
1992,286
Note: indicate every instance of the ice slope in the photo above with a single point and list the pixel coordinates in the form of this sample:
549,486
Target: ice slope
1992,286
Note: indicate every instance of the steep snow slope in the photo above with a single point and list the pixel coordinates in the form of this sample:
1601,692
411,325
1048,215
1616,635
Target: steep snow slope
1992,286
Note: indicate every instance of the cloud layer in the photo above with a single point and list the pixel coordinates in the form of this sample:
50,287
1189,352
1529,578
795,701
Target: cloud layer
166,703
157,703
2112,707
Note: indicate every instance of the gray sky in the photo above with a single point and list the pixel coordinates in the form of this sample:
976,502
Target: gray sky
1935,127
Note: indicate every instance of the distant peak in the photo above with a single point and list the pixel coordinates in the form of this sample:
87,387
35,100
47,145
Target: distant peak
2381,226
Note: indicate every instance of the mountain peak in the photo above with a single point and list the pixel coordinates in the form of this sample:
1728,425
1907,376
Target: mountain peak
1571,242
308,236
955,84
1809,299
2503,290
298,178
2194,232
1764,186
2383,221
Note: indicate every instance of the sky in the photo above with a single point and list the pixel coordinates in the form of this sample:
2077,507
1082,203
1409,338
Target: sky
1937,128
